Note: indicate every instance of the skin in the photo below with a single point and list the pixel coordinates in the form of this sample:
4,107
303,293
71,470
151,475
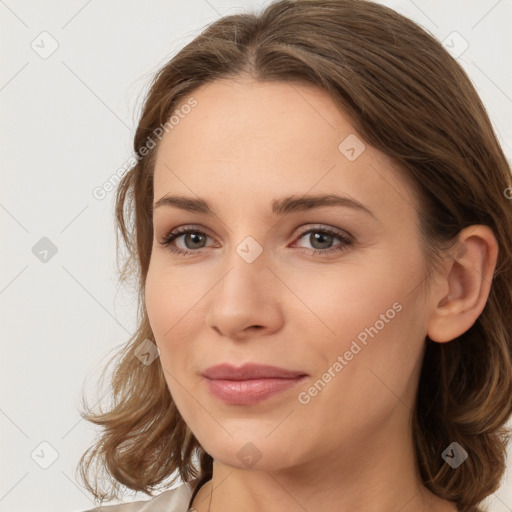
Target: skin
350,448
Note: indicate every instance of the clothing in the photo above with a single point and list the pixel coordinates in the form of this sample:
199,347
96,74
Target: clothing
178,499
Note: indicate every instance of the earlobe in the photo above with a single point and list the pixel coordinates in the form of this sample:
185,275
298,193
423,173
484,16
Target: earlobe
468,278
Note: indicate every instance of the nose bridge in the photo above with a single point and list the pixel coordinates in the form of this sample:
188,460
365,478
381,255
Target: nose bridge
247,254
247,293
246,269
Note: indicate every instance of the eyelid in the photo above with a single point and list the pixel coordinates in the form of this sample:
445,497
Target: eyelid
346,239
181,230
325,227
186,228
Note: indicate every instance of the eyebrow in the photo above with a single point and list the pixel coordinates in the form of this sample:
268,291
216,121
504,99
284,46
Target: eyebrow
280,206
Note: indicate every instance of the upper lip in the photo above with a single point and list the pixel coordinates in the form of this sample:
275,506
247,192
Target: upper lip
249,371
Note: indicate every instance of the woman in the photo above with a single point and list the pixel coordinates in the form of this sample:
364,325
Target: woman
321,235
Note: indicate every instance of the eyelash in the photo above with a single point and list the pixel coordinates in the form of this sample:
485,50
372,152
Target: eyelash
173,235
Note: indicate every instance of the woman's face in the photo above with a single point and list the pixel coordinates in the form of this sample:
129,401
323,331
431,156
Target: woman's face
279,276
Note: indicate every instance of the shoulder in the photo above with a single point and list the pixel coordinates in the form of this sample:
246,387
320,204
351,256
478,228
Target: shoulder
172,500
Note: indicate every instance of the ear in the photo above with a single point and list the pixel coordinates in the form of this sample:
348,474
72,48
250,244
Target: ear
465,284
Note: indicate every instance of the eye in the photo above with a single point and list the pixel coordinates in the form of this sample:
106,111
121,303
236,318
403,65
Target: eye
321,238
193,237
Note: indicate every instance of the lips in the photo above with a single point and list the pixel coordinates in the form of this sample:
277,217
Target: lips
250,383
250,371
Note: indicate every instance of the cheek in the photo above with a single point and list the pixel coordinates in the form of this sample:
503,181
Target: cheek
157,302
172,296
339,303
176,305
369,314
368,288
164,311
365,374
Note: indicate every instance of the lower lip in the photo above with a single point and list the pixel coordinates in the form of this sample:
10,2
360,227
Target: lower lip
246,392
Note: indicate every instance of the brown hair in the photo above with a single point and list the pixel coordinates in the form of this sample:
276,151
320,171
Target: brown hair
407,97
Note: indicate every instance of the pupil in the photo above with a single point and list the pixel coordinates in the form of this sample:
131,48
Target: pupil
320,237
195,236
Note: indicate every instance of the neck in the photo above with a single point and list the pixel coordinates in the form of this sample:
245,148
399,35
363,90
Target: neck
374,473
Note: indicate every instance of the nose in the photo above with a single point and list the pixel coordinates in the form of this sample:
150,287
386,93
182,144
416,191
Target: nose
246,301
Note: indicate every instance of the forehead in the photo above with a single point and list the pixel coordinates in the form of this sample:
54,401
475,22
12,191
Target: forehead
260,116
250,139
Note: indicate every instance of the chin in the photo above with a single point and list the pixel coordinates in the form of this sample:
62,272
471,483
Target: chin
251,449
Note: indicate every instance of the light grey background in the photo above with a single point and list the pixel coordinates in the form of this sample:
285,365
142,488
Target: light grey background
67,125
